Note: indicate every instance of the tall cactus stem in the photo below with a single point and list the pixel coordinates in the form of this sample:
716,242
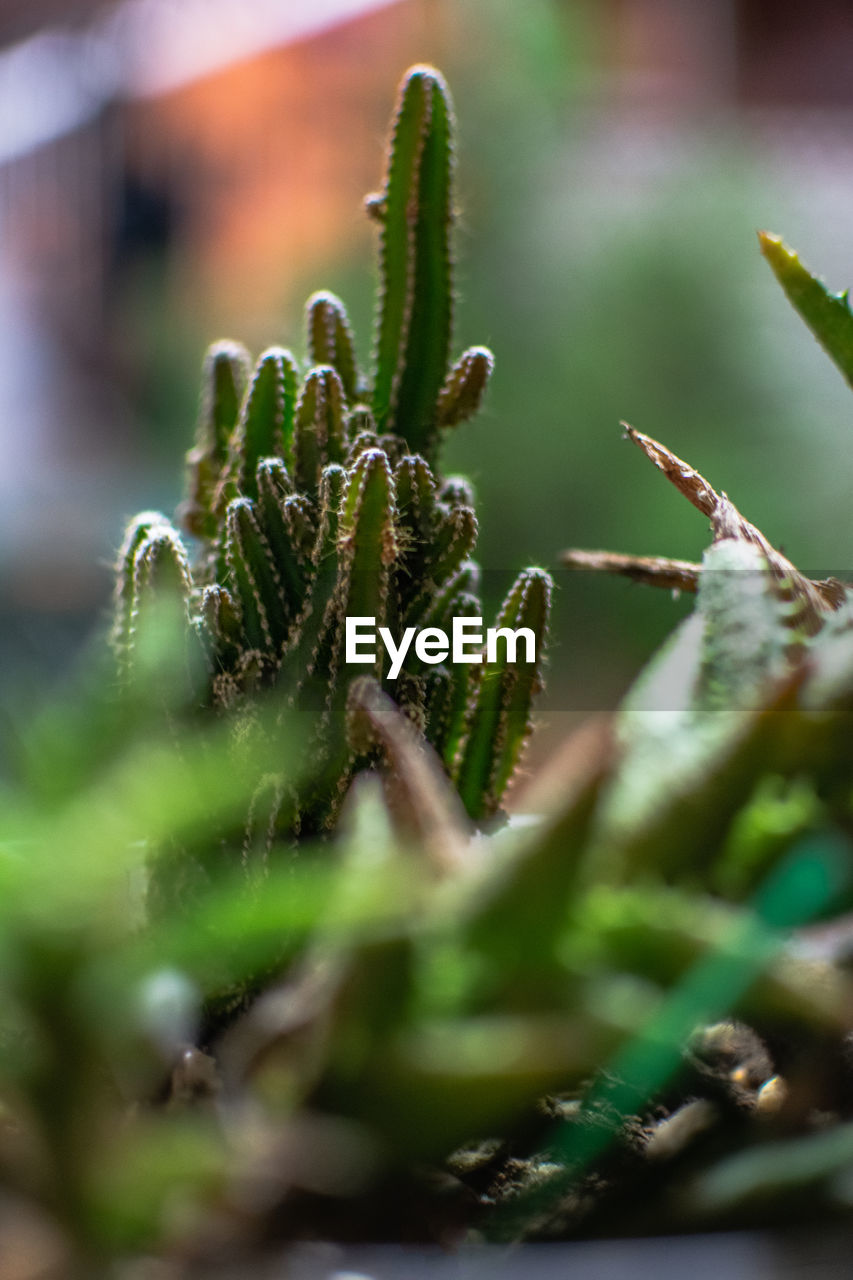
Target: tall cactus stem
416,304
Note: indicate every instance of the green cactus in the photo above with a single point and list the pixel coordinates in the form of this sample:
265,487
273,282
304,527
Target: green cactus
316,497
413,328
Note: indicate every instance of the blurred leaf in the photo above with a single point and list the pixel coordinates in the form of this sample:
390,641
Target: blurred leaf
827,314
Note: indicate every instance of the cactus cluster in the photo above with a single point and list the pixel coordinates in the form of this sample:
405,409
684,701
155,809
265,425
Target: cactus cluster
630,1016
314,495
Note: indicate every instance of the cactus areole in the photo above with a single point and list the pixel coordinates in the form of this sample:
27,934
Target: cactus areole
317,509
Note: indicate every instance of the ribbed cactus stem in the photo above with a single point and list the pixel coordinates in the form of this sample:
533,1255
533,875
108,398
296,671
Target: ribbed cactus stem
223,625
415,318
317,624
162,585
333,485
465,386
330,340
498,720
455,540
368,539
319,434
299,518
256,580
275,490
416,495
224,379
123,596
265,426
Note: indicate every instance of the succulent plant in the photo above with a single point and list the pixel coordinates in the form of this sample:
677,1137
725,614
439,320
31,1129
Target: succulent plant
315,496
598,1022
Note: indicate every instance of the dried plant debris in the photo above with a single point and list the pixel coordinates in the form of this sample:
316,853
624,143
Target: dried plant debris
808,600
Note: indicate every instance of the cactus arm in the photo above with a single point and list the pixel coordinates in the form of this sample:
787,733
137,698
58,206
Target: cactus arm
160,568
464,387
330,340
437,704
136,533
457,599
159,625
365,548
414,323
299,517
225,376
319,432
457,491
828,315
416,497
453,543
222,623
449,549
302,658
499,713
533,612
276,521
368,538
256,579
265,426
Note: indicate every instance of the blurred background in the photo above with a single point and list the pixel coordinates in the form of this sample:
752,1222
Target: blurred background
173,171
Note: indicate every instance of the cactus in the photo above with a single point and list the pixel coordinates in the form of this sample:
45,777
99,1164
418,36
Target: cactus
315,497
